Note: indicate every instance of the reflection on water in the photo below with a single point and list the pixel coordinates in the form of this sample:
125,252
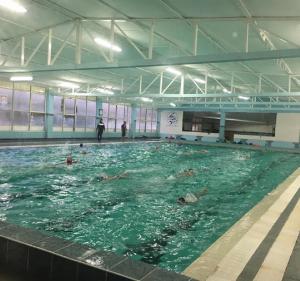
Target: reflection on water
138,215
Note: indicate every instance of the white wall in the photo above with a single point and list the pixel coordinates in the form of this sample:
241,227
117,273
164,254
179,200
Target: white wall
166,128
288,127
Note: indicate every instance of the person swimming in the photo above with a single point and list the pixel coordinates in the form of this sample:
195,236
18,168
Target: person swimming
105,177
192,197
186,173
202,151
70,160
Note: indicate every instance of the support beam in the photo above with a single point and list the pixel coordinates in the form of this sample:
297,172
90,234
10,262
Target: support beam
132,127
195,42
200,59
22,50
112,40
36,50
49,114
151,37
49,57
222,127
78,42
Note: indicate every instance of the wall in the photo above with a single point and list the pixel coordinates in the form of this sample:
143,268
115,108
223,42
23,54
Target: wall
287,129
167,130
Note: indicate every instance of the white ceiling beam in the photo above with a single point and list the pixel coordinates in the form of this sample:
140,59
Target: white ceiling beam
189,60
131,42
35,50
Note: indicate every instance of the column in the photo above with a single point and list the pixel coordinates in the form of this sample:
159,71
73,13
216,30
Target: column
132,128
49,113
222,127
158,123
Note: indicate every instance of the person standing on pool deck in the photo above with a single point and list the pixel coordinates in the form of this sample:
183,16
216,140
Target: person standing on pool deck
123,129
100,129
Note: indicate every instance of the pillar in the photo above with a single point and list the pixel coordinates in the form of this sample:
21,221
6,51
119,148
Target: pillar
158,123
222,127
99,108
49,113
132,128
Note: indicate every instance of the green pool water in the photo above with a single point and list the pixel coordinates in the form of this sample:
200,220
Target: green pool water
138,215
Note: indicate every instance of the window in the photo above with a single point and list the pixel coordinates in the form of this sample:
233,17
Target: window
5,109
114,115
37,111
146,120
21,108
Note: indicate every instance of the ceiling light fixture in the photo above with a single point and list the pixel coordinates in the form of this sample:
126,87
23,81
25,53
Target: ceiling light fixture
226,91
172,104
244,98
146,99
13,6
69,85
106,44
21,78
173,71
201,81
105,91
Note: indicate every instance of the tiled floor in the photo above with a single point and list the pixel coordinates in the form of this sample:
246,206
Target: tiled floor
262,245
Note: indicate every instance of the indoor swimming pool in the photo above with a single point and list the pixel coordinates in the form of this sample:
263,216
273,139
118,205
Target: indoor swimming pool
137,214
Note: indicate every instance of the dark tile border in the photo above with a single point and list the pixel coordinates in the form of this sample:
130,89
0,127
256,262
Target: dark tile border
38,256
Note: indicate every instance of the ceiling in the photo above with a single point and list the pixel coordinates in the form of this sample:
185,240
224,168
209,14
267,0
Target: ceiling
176,28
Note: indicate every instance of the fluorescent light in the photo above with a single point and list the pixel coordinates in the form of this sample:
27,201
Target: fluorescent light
13,6
69,85
172,104
173,70
244,98
201,81
226,91
106,44
105,91
20,78
146,99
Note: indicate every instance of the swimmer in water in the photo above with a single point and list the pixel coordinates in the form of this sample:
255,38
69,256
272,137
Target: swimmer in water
104,177
192,197
70,160
82,151
202,151
186,173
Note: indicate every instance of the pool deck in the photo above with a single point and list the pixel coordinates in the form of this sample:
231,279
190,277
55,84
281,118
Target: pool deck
264,245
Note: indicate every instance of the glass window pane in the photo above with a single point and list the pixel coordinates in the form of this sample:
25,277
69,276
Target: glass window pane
148,127
69,106
81,107
5,99
153,126
5,120
120,112
91,123
149,114
112,111
57,122
154,115
105,109
143,114
91,108
111,125
80,122
119,124
58,104
21,121
105,121
37,102
68,123
21,101
37,122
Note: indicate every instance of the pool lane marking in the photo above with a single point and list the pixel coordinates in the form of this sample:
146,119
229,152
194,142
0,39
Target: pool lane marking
74,144
292,271
275,263
232,265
